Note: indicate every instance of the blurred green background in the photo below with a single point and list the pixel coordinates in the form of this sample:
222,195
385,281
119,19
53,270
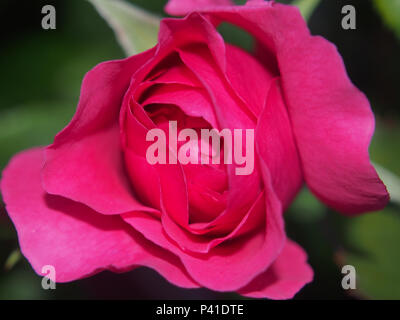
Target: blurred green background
41,75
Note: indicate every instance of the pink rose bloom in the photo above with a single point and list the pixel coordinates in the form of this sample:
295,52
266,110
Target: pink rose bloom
91,201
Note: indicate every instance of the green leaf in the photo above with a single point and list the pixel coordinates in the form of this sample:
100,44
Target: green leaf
390,13
391,181
135,28
22,284
306,7
384,146
12,260
385,154
375,242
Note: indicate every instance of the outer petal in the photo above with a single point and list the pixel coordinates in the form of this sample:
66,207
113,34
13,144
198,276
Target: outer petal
276,146
332,120
333,125
74,239
287,275
85,161
182,7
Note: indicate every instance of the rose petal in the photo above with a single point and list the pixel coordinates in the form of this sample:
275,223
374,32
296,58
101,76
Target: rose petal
286,276
172,71
333,125
187,240
249,79
182,7
276,146
331,119
192,101
85,161
230,116
145,179
172,186
231,265
73,238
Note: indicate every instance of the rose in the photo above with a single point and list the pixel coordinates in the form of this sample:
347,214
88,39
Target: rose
91,201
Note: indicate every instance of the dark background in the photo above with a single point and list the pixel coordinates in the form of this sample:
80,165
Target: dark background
41,73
